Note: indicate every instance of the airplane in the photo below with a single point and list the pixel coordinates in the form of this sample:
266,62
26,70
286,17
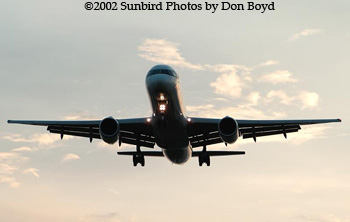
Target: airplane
169,127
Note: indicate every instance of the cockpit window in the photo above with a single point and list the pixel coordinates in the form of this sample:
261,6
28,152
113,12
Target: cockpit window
162,71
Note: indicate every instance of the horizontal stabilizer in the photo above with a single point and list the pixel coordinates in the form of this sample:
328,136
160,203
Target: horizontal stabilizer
145,153
194,154
218,153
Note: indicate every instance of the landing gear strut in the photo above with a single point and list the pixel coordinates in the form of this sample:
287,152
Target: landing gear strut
138,157
204,157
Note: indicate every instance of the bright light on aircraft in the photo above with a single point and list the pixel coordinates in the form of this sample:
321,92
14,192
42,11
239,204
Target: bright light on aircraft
162,107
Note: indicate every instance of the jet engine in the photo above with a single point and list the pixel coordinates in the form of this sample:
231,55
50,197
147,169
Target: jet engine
228,129
109,130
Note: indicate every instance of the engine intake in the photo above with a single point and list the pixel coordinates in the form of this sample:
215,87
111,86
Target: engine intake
228,129
109,130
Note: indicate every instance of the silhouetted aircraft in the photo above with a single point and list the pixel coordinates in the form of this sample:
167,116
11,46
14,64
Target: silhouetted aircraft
169,127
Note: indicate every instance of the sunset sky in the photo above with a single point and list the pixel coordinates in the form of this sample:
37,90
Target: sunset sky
59,61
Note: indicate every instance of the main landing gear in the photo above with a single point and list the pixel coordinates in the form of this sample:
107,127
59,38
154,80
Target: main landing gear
138,157
204,157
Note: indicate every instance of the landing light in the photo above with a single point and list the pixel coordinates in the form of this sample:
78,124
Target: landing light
189,119
162,107
148,120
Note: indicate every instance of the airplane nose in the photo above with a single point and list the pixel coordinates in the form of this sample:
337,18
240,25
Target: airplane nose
159,82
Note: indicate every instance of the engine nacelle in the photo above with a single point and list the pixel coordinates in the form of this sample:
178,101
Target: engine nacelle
228,129
109,130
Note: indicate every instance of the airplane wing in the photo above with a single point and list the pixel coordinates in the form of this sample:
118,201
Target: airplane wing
132,131
140,133
200,127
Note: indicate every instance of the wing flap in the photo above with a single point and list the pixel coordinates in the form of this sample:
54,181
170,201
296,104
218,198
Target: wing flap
135,142
80,134
267,128
93,130
201,137
206,142
269,133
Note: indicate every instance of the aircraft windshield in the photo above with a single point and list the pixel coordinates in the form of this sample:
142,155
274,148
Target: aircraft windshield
162,71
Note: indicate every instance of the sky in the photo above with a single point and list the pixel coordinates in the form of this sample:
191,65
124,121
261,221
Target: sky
59,61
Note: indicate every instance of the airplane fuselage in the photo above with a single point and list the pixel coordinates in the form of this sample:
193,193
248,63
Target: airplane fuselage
168,119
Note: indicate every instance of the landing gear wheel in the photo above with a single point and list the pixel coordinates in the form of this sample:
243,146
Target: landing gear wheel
142,161
138,159
204,159
134,160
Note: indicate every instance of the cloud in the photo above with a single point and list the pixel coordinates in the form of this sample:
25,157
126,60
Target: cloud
70,157
112,216
83,115
116,192
269,63
10,180
244,111
40,138
199,108
32,171
279,95
232,81
221,99
305,32
11,157
309,99
253,98
22,148
7,169
322,218
9,165
228,85
303,99
7,155
278,76
105,216
308,133
76,117
165,52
